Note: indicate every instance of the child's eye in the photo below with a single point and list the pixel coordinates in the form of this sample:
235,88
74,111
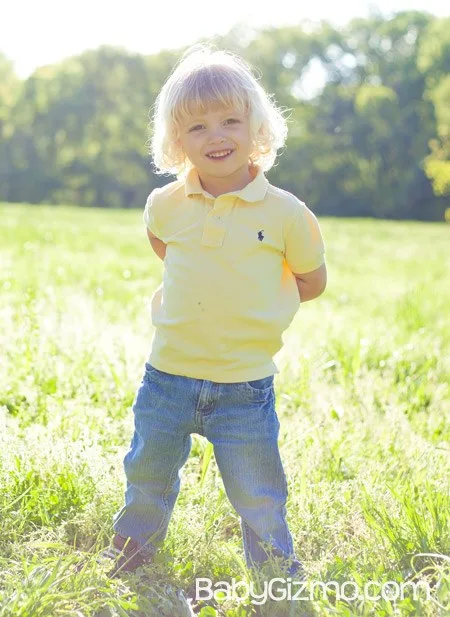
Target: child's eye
232,120
194,128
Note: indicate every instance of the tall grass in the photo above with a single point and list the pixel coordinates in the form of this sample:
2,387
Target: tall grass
362,397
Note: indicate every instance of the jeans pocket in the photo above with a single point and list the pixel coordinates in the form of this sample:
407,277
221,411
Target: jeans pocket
149,371
261,386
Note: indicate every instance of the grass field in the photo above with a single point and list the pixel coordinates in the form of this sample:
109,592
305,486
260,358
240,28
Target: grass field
362,396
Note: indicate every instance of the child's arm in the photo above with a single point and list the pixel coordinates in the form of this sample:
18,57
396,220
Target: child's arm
304,252
312,284
157,245
149,219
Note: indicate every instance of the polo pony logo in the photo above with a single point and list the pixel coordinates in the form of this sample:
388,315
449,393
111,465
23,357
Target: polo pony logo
260,235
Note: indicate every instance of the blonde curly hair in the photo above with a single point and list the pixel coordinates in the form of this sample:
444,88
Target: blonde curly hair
206,78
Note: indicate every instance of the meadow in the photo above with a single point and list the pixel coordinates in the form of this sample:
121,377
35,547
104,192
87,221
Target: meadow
362,396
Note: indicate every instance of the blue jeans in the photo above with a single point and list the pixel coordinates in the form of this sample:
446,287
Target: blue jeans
240,420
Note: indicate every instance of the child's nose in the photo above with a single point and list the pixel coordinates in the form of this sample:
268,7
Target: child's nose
216,136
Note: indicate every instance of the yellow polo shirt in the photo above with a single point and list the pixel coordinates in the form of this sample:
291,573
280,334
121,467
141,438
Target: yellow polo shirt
228,291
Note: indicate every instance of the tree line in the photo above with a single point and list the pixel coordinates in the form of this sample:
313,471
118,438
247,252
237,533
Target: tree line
372,140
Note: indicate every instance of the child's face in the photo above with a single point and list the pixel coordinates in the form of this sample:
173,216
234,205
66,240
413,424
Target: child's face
221,131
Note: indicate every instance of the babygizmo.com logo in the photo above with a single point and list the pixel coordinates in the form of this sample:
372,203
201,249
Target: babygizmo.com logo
280,589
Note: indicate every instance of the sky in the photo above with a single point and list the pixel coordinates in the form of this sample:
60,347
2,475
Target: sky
34,34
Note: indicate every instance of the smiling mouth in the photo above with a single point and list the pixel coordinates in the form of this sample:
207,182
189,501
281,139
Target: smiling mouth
219,155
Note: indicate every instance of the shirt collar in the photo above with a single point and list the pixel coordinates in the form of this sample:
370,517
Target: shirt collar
254,191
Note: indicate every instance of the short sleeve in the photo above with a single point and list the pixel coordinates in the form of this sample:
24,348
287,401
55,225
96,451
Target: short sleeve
304,246
151,215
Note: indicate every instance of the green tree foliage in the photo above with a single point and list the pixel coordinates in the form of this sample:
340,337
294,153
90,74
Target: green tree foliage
434,62
10,86
368,108
79,128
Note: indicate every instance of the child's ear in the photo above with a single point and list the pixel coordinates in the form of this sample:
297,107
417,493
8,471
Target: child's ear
181,155
180,149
